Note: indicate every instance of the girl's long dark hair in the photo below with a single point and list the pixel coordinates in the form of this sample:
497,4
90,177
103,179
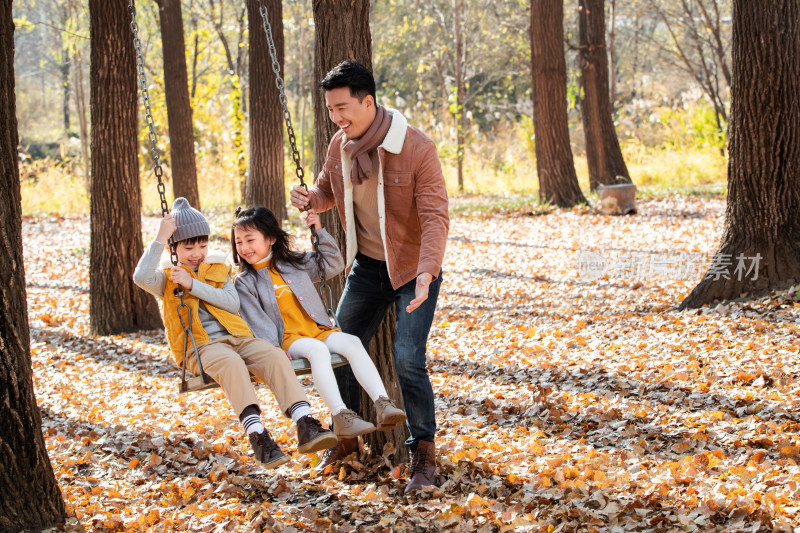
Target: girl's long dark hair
262,220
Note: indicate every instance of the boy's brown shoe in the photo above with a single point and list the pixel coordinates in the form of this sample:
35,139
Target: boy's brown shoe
388,414
266,451
312,437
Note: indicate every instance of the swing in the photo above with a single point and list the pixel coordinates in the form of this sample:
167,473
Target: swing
301,366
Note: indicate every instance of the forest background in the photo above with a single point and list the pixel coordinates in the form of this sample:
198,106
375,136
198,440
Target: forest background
668,61
561,402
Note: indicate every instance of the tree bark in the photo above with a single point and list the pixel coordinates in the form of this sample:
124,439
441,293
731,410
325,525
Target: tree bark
65,73
31,497
460,73
342,32
236,73
381,350
83,125
265,181
612,57
762,219
179,108
558,182
603,154
116,304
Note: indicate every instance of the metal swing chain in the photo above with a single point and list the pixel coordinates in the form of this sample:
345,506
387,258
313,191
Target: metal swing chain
151,128
324,289
158,171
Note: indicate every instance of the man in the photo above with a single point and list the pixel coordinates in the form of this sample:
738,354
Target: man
386,180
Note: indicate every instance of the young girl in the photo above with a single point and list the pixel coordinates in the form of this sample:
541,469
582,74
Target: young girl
280,304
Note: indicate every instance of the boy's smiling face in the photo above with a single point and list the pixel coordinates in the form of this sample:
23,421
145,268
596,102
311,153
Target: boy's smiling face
191,254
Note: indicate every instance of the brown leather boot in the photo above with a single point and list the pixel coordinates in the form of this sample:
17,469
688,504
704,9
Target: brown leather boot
343,449
423,466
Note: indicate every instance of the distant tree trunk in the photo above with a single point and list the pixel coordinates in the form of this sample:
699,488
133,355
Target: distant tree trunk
603,153
265,180
342,32
236,75
31,497
759,248
195,48
558,182
460,73
179,108
83,125
702,34
65,71
306,65
116,304
612,57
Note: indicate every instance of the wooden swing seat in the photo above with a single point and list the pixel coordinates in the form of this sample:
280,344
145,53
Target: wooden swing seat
301,367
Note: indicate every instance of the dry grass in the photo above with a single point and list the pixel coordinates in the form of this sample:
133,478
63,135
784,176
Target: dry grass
498,170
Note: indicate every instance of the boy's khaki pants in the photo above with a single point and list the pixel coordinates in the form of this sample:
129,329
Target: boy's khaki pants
229,361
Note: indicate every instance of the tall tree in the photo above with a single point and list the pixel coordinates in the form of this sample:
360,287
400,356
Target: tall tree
31,497
697,31
466,73
265,182
235,57
558,182
451,63
759,248
612,55
179,108
458,55
116,223
342,32
603,154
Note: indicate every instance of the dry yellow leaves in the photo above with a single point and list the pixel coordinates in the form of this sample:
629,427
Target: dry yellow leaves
563,403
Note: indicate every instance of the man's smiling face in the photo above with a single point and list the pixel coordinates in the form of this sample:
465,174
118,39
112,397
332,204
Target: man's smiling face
354,117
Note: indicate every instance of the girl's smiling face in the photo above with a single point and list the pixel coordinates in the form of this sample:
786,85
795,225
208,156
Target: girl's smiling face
252,245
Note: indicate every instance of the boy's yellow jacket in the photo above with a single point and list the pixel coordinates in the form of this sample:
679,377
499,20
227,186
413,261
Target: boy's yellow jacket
213,274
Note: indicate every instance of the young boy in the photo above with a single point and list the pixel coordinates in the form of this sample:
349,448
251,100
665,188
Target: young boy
227,348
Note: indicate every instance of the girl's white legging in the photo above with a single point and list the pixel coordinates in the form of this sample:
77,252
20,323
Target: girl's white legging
348,346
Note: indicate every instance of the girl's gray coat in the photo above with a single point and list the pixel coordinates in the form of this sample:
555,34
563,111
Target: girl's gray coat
258,305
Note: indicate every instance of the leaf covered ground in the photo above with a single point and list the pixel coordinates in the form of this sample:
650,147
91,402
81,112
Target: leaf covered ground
568,398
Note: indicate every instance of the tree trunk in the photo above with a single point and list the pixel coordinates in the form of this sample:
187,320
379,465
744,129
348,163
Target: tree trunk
460,82
558,182
31,497
179,108
195,48
65,71
342,32
612,57
265,180
235,70
603,154
759,248
83,125
381,350
116,304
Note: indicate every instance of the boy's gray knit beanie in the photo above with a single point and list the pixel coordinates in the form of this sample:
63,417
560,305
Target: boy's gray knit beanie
190,222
